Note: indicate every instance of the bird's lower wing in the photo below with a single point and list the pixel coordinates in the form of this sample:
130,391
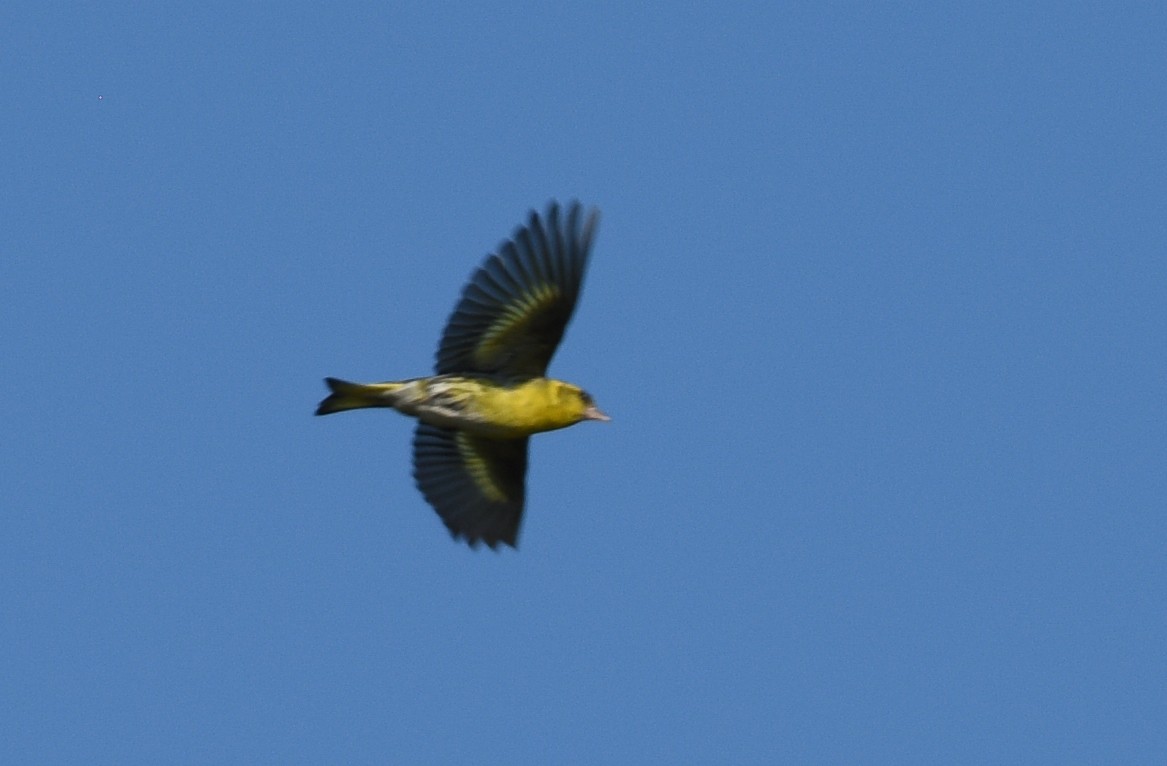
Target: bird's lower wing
475,484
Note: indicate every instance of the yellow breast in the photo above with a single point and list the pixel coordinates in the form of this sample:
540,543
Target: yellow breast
536,405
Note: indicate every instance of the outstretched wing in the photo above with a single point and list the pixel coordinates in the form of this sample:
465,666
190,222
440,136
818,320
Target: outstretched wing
475,484
513,312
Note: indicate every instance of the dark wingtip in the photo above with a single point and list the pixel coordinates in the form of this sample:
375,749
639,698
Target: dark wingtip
473,541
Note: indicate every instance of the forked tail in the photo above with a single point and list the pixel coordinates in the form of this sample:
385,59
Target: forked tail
354,396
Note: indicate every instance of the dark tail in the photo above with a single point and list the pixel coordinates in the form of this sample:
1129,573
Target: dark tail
346,396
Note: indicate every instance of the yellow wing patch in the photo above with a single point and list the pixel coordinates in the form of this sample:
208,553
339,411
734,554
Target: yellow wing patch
505,337
479,468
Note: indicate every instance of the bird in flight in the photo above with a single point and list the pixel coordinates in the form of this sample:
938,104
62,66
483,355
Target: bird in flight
491,391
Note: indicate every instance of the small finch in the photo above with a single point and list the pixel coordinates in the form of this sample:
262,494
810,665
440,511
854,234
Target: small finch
491,393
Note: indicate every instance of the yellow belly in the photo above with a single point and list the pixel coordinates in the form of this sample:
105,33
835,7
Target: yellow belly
495,410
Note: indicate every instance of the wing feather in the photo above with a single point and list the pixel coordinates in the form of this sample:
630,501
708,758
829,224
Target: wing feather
512,314
476,485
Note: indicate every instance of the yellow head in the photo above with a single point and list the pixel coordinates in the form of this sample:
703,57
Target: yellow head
577,402
543,404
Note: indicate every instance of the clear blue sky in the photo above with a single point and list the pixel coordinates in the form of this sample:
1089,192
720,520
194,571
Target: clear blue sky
877,307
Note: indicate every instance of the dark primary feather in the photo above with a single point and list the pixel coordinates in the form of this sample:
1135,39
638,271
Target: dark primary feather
475,484
513,312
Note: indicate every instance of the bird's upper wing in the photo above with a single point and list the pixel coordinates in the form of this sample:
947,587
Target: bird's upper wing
475,484
513,312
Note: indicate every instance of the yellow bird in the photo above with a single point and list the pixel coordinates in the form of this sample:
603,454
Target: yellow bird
491,391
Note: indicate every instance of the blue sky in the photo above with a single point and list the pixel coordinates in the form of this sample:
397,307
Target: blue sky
877,308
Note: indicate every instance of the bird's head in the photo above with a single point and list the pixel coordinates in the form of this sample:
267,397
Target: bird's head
579,402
